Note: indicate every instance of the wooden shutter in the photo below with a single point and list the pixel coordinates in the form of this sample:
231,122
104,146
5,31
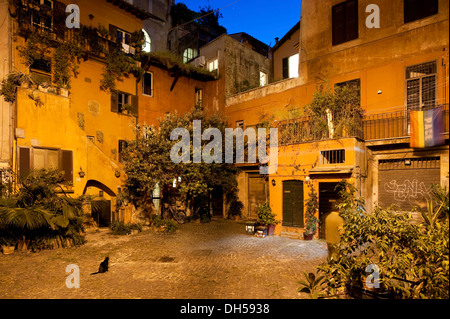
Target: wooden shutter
24,162
59,18
338,23
285,68
134,105
352,20
114,102
67,165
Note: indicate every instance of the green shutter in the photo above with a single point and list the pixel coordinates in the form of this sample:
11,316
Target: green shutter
114,102
134,105
67,165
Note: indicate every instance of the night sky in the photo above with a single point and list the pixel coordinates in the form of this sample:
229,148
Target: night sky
262,19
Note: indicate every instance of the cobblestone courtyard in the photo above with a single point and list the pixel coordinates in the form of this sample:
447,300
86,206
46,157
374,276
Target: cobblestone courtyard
216,260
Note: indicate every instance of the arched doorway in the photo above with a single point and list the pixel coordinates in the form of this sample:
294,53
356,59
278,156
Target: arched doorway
102,212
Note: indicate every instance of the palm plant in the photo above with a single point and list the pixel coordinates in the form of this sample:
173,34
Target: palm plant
39,212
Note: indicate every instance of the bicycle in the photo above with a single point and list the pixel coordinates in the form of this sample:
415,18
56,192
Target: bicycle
174,211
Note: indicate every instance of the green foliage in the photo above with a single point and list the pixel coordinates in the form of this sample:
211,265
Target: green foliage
10,84
66,62
413,259
265,215
312,206
119,227
311,285
147,161
343,103
168,225
207,17
118,65
235,208
42,214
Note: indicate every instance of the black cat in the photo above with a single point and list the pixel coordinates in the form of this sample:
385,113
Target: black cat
103,267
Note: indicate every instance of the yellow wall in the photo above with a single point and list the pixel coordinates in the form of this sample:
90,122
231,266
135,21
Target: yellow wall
56,123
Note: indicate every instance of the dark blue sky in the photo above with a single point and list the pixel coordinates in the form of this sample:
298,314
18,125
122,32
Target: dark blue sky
262,19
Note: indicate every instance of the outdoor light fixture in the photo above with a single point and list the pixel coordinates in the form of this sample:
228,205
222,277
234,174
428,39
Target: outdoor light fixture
81,173
379,92
407,161
273,182
307,179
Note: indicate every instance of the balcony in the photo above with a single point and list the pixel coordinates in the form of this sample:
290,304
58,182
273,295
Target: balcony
370,127
393,125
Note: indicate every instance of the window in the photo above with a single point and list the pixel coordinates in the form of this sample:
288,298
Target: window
189,54
421,85
122,101
213,65
419,9
122,146
290,67
124,38
45,158
262,78
354,84
344,21
198,97
148,84
41,18
40,71
147,47
332,157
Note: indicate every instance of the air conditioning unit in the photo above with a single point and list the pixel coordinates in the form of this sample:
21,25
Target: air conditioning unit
199,61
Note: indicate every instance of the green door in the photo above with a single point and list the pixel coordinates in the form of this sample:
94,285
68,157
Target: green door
293,204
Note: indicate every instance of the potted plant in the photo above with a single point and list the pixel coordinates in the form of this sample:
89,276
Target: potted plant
8,245
235,209
266,218
311,228
312,207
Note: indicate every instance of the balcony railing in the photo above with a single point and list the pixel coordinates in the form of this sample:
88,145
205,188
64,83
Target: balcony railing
394,124
370,127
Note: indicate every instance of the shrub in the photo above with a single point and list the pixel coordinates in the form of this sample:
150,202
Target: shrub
413,259
119,227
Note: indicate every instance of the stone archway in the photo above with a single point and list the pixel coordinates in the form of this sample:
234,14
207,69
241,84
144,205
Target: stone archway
102,214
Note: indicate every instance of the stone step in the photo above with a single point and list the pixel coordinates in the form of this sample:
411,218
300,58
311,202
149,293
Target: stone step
293,235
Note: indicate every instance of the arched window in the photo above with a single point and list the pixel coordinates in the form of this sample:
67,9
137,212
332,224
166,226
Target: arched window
189,54
148,42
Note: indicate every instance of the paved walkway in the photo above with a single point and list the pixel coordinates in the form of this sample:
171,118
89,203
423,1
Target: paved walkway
217,260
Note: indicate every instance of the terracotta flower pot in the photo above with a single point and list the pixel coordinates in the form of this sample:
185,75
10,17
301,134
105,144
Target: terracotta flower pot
8,249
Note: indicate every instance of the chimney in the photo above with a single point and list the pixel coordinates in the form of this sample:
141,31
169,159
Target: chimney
276,40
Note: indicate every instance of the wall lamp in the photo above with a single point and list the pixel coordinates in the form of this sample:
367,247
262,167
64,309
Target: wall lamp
81,173
273,182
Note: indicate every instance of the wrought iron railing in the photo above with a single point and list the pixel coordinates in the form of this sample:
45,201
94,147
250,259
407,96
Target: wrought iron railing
370,127
394,124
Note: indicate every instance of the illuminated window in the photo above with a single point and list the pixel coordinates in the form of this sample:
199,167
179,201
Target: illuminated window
213,65
147,47
262,78
189,54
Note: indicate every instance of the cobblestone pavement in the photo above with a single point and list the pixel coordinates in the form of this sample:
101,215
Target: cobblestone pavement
216,260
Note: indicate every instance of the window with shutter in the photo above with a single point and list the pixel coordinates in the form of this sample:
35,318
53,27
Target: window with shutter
285,68
24,162
420,86
419,9
67,165
344,21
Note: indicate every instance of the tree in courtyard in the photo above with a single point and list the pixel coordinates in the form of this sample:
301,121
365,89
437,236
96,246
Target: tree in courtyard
148,162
